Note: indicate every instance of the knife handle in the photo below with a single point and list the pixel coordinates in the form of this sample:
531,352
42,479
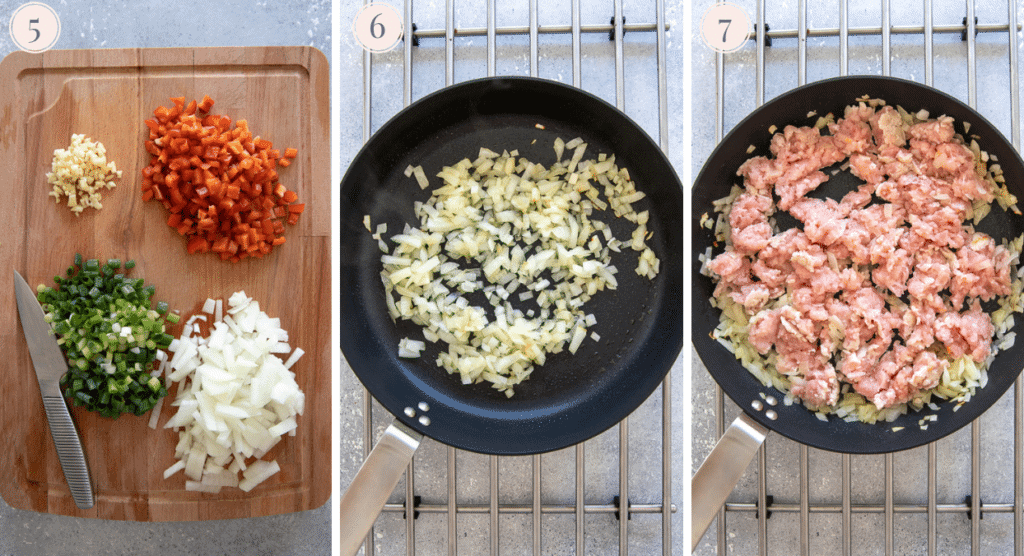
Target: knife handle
69,450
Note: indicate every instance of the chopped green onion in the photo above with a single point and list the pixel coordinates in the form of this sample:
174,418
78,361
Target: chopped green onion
109,335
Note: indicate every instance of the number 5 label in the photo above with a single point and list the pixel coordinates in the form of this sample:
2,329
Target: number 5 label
377,27
725,27
35,27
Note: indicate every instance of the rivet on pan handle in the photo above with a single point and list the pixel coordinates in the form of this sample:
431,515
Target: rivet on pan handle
721,471
376,479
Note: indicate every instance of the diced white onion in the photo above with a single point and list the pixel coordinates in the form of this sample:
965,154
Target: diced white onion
235,397
258,472
177,466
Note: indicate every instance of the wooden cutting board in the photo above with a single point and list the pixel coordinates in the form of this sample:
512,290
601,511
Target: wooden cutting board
284,94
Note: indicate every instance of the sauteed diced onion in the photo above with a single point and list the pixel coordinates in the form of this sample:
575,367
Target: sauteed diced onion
501,224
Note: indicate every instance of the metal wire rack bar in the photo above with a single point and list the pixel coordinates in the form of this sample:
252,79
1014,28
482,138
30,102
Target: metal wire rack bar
623,507
893,30
974,507
964,508
542,30
528,509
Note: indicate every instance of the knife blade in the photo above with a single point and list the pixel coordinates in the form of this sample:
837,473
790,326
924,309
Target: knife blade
48,361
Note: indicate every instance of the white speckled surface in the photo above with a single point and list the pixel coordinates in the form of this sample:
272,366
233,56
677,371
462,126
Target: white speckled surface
953,453
118,24
558,531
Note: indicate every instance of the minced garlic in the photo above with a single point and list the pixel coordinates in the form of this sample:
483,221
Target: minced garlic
79,172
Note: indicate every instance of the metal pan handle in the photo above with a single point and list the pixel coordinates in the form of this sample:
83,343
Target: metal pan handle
721,471
376,479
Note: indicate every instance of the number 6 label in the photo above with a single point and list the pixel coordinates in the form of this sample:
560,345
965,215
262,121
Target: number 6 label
377,27
35,27
725,27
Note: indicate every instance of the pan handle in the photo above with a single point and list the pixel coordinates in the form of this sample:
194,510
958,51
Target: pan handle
720,472
373,483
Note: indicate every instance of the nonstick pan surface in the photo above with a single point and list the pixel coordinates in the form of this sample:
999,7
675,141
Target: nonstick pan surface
714,182
571,397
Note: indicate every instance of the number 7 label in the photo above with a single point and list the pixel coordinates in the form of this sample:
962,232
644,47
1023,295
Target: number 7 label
725,27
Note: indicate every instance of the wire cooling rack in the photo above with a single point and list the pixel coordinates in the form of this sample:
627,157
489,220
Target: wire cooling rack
614,492
960,495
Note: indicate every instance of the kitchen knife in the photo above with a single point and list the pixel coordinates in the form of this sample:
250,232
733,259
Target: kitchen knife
48,360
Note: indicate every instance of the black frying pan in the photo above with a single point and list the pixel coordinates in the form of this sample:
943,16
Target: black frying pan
717,177
570,398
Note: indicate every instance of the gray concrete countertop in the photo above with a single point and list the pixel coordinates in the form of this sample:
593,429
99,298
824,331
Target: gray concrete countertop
558,468
824,535
122,24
